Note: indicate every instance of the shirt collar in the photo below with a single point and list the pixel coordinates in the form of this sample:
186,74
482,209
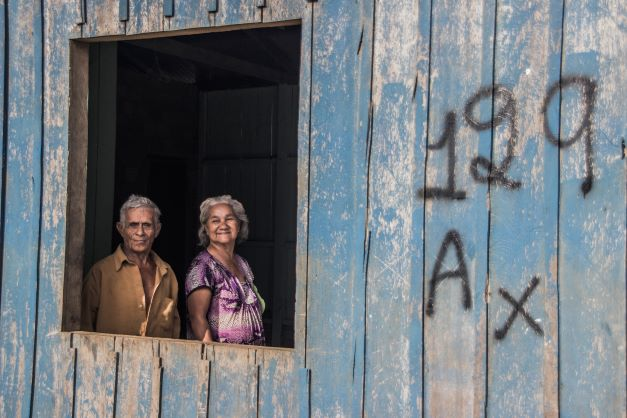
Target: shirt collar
120,258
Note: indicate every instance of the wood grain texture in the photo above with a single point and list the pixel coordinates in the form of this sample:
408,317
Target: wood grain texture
138,386
54,377
234,381
54,382
183,367
393,305
144,17
96,375
278,380
522,369
3,47
303,181
21,207
76,148
190,14
592,227
455,332
281,10
102,19
341,73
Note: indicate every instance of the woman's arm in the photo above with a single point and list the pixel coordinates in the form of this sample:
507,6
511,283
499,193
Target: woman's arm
197,305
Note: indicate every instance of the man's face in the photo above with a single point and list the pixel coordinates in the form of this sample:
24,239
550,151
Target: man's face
139,230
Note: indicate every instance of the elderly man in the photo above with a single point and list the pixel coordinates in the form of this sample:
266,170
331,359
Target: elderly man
132,291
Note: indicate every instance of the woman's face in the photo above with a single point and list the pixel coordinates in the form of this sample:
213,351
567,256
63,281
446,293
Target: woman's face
222,225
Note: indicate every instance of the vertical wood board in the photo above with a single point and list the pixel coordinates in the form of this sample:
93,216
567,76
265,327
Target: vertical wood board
281,10
185,379
522,369
303,182
139,377
200,14
233,382
278,383
21,207
96,375
190,14
393,306
102,19
341,76
592,227
3,50
53,382
145,17
456,229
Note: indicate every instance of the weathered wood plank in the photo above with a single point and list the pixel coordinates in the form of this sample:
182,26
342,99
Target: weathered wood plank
522,369
394,261
96,375
183,367
145,17
103,19
341,76
3,47
281,10
234,381
456,217
76,147
198,14
278,380
22,206
302,170
54,381
235,12
190,14
592,225
138,388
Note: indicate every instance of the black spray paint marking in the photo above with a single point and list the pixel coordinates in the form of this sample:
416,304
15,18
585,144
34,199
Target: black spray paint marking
447,138
496,174
499,334
587,88
452,237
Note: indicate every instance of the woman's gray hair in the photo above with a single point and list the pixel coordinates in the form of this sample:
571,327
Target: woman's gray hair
238,211
135,201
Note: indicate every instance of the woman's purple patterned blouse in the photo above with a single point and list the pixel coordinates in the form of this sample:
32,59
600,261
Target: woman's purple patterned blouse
234,314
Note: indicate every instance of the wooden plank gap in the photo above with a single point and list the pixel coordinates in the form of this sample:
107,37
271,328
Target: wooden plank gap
213,6
204,372
82,15
258,367
260,3
157,384
168,8
123,10
70,380
114,396
304,377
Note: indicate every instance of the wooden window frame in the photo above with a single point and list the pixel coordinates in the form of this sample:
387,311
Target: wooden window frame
78,142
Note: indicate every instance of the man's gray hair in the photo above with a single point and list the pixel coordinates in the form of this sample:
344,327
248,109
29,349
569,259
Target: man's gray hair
135,201
238,211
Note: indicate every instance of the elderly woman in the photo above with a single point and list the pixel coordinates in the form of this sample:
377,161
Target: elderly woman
222,300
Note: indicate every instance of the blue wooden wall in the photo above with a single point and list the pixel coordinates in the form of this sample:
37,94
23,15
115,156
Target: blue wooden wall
462,216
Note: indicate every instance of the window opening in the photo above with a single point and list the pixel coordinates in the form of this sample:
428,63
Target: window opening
182,118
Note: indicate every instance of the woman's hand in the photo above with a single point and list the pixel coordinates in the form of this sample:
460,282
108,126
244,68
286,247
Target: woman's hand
198,303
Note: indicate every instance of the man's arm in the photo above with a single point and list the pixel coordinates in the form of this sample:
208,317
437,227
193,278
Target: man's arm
176,327
90,301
